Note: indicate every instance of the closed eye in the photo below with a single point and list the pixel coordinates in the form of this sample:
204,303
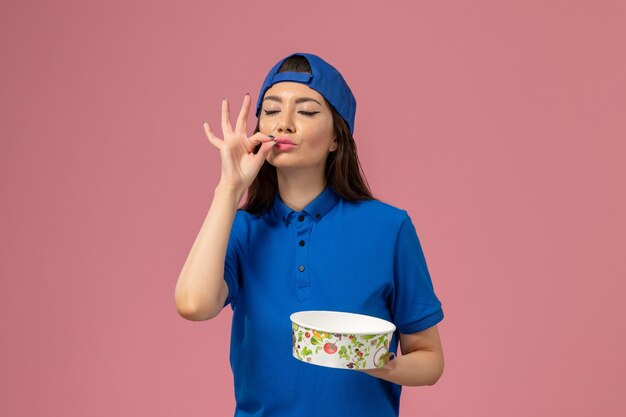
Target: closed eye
306,113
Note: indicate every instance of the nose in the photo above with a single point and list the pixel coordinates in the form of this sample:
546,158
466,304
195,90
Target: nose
285,122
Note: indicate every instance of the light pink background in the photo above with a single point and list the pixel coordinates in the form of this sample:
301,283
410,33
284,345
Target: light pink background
498,125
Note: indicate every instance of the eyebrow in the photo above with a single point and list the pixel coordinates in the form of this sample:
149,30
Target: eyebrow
298,100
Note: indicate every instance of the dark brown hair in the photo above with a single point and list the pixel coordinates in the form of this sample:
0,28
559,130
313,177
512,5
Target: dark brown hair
343,169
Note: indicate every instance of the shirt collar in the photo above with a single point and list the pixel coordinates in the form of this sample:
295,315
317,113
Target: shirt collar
317,208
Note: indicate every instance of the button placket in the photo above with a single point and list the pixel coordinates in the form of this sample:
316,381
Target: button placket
303,227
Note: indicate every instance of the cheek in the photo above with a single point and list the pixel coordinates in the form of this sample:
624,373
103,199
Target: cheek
322,134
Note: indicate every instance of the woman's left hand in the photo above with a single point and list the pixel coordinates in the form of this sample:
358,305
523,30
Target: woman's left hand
381,372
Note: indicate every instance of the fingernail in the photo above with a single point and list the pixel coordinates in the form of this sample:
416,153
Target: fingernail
271,136
247,94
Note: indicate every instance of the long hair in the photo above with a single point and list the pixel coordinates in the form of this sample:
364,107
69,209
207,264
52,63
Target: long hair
343,169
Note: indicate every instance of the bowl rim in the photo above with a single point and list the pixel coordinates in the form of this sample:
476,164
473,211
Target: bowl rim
392,327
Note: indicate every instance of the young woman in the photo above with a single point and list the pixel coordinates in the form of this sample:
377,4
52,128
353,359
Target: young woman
310,237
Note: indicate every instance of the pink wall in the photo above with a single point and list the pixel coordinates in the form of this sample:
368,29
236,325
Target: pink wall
498,125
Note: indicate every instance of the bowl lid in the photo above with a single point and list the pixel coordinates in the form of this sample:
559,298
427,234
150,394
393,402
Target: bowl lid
342,322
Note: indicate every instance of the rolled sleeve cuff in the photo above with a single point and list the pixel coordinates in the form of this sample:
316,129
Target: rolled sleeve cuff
231,290
422,324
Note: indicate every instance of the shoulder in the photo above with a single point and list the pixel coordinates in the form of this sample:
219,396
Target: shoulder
242,222
244,219
246,222
243,225
379,212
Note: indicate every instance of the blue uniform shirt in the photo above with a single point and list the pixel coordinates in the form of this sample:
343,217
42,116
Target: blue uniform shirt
362,257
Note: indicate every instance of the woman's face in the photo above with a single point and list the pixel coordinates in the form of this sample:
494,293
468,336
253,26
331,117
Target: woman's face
296,112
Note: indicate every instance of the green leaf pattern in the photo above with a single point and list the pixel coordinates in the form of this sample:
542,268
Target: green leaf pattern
353,351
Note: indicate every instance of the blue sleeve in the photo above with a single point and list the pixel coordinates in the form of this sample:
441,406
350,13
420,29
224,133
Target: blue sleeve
231,263
415,305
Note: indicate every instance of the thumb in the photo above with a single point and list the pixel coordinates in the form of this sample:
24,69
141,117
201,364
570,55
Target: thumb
265,149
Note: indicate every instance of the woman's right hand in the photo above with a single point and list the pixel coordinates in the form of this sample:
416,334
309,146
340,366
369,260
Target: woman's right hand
240,165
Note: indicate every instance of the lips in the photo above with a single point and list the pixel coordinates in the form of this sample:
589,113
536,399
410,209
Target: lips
284,141
284,144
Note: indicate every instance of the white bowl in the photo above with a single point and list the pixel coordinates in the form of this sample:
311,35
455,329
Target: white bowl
341,340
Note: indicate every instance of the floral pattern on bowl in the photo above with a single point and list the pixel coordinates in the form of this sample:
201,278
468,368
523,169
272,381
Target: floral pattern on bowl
340,350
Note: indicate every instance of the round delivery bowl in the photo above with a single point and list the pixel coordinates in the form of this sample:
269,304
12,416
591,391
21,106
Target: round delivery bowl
341,340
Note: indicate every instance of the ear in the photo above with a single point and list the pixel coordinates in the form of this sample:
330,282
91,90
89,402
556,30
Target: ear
334,145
